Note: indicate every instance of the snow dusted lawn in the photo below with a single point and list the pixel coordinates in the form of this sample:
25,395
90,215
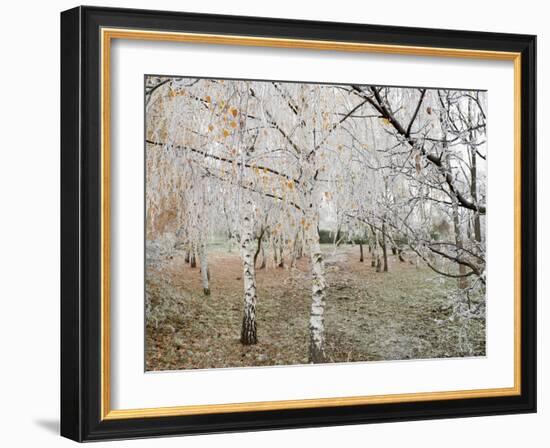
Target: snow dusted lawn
405,313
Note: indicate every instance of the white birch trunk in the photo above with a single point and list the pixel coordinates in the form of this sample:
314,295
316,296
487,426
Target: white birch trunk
248,330
295,249
318,293
204,268
462,281
375,261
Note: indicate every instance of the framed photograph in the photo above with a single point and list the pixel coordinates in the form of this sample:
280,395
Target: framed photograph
273,223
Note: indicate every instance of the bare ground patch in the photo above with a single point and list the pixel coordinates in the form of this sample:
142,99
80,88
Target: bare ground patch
401,314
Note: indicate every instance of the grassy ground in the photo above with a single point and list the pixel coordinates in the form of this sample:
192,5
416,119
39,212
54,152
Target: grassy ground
401,314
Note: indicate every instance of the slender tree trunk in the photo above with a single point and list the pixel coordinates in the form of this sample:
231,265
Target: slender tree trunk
192,257
384,246
187,255
318,293
295,248
275,252
259,248
300,251
462,281
361,259
375,262
473,176
263,265
374,252
248,330
205,275
477,220
231,241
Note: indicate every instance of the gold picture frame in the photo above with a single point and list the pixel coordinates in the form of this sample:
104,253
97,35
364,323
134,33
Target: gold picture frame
106,30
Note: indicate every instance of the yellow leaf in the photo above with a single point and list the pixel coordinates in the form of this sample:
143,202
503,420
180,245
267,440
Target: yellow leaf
208,99
233,124
386,121
233,111
210,128
225,133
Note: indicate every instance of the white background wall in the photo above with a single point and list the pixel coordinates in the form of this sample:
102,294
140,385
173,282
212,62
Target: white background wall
29,224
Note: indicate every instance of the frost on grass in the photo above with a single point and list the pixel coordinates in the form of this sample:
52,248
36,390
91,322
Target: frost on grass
365,318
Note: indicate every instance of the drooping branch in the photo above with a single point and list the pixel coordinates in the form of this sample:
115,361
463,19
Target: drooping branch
250,188
379,105
224,159
342,120
415,114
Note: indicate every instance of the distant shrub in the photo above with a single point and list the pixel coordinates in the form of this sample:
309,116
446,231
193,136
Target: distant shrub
329,237
400,241
326,236
360,240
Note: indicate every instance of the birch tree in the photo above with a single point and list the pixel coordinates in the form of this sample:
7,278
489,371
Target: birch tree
391,166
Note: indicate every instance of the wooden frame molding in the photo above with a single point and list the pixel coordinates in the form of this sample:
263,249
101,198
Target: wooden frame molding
107,36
